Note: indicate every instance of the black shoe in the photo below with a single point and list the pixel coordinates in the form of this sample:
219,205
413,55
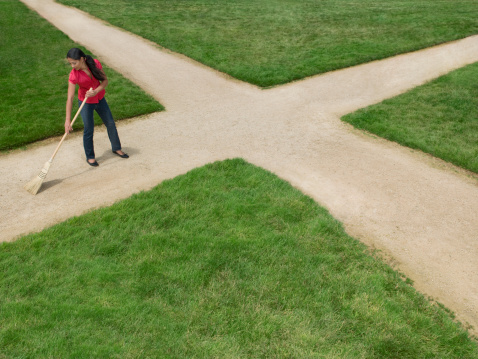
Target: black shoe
94,164
124,155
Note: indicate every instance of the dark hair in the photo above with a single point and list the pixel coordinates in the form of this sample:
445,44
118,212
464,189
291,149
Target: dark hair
77,54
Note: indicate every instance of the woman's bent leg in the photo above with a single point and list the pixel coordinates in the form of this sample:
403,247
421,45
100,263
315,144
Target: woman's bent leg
106,116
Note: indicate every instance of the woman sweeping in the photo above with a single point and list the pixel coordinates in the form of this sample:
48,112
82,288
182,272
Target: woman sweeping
87,73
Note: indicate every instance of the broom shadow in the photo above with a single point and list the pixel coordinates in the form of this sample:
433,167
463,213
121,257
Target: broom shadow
105,156
52,183
49,184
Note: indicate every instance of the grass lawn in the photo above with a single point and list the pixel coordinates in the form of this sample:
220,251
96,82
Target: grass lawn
227,261
270,42
440,118
34,80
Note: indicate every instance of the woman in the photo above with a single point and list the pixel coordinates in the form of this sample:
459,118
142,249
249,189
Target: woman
87,73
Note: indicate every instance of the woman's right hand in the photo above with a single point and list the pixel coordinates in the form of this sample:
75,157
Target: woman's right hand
68,127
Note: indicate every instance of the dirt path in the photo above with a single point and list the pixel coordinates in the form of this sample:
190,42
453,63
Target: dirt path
421,212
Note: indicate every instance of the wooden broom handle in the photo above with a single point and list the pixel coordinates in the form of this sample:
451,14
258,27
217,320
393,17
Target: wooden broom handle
66,133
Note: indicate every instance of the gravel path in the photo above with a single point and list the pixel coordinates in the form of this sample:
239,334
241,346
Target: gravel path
422,213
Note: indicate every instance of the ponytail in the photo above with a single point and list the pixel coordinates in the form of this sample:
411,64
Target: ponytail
96,72
77,54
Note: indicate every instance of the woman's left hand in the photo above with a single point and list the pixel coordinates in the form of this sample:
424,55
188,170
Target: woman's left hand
91,93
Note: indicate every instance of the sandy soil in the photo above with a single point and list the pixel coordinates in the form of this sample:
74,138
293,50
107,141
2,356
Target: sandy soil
422,213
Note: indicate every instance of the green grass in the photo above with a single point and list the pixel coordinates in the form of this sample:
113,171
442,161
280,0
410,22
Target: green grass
270,42
264,42
227,261
439,118
34,80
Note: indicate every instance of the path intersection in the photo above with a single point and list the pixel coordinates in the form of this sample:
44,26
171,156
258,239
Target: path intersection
420,211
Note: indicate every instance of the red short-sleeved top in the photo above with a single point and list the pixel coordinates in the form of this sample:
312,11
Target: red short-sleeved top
85,82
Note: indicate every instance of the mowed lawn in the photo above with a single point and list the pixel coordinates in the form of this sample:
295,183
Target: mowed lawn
34,80
440,118
226,261
271,42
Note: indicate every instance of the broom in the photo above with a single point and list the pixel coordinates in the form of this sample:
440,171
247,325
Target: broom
34,185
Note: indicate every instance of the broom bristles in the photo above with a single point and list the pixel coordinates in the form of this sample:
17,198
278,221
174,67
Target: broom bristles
34,185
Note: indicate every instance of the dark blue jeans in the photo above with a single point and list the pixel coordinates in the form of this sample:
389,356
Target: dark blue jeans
104,112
